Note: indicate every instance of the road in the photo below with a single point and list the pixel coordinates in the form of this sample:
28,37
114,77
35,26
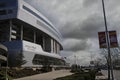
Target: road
116,74
47,76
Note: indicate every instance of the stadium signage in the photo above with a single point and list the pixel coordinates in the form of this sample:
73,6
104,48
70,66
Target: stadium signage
32,47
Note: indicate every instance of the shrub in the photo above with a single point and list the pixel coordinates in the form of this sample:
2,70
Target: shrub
75,68
3,76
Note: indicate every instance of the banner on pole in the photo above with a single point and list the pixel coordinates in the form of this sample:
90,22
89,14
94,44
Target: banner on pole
112,39
102,39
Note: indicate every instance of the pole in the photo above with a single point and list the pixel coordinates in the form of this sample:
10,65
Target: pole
108,44
75,59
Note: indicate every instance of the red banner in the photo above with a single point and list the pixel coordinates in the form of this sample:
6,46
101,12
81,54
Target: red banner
112,38
102,39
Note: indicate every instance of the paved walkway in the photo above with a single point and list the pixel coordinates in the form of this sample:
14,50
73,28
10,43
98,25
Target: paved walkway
47,76
116,74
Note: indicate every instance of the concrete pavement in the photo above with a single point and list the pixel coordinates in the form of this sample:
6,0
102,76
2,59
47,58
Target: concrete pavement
47,76
115,72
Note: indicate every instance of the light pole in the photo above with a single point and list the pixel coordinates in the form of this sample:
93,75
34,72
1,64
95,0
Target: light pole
110,70
74,59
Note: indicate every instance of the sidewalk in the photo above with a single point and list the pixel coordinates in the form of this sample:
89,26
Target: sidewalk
116,74
47,76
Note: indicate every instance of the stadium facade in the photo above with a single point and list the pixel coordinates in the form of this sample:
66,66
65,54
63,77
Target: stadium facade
31,39
3,55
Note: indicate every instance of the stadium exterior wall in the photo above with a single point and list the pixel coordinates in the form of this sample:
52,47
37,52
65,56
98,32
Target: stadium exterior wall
19,11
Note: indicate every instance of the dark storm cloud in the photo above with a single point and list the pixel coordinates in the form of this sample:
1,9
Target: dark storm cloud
88,3
75,44
87,29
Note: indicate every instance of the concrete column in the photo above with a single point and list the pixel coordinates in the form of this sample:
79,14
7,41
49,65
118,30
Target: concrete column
55,47
58,48
34,36
21,33
52,46
10,29
43,43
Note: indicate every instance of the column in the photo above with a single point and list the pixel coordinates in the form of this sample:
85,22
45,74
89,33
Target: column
43,38
10,29
52,46
58,48
34,36
21,32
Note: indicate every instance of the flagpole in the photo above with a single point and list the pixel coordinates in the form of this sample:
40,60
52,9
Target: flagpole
108,44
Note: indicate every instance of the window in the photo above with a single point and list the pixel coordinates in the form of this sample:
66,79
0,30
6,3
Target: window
10,11
2,5
3,12
4,31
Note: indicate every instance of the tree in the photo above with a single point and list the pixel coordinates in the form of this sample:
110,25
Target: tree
115,56
19,60
16,59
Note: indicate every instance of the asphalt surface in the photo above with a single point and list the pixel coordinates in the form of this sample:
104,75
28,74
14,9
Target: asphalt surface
47,76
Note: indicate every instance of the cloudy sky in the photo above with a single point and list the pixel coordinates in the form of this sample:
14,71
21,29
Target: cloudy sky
79,22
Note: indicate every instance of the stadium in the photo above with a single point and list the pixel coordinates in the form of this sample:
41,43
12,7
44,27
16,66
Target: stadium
31,39
3,55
